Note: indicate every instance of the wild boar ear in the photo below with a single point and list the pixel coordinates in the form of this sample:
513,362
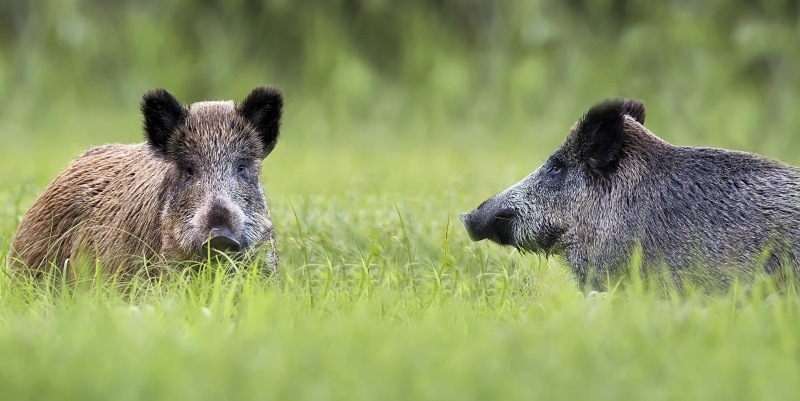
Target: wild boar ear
599,135
633,108
262,108
162,115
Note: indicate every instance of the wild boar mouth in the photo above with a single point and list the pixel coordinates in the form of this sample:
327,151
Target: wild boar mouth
502,228
545,241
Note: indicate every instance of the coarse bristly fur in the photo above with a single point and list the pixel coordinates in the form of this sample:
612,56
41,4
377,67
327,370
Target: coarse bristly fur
191,188
613,189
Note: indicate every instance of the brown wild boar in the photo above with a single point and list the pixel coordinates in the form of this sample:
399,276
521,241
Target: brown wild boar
191,188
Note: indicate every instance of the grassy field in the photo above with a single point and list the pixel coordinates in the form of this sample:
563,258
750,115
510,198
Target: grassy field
380,294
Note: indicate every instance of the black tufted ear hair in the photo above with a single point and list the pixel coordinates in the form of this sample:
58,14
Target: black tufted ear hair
633,108
599,134
162,115
262,109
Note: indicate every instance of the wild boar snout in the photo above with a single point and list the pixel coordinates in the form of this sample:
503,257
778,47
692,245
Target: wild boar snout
490,221
222,229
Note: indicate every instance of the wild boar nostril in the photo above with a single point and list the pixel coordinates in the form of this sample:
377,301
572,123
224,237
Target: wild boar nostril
222,240
474,229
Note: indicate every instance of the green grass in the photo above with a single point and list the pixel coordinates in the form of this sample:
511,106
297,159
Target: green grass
382,296
448,320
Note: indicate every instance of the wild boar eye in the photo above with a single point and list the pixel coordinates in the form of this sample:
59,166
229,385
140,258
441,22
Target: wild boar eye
242,168
189,171
555,170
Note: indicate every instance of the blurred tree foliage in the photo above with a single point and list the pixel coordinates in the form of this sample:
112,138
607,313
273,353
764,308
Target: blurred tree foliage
458,58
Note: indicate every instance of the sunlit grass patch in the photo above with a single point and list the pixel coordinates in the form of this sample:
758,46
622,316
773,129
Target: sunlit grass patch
334,331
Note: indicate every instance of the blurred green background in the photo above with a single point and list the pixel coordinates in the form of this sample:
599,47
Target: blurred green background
413,85
430,105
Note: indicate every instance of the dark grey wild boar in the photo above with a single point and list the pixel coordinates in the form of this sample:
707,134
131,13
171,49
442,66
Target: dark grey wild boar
614,188
193,187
